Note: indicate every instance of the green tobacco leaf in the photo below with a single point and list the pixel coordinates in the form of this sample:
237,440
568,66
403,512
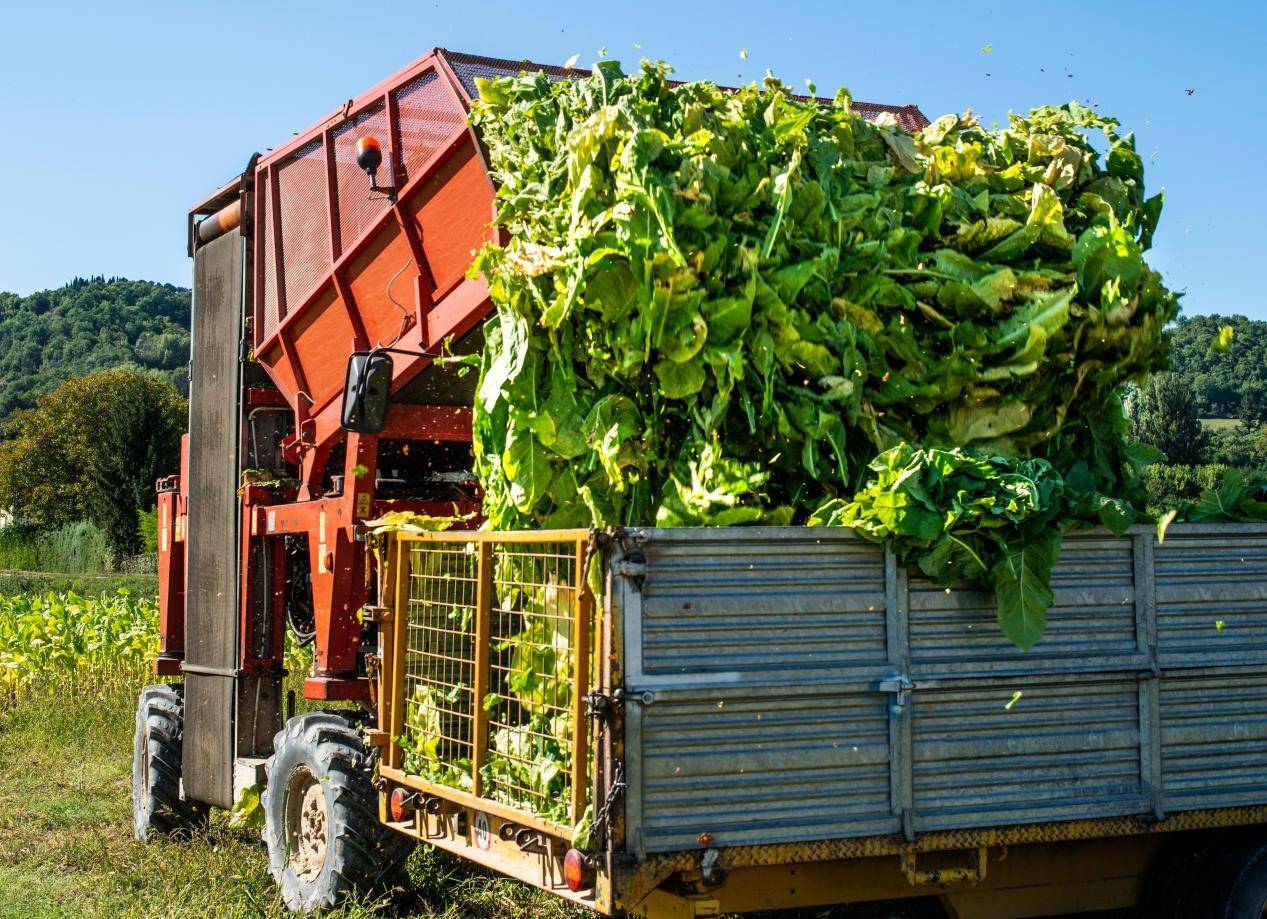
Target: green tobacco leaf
1023,591
526,464
1107,253
679,381
987,421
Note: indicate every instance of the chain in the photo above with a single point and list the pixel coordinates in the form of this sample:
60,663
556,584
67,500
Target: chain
602,819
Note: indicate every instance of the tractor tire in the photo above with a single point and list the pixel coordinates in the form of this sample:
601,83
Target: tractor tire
157,806
325,841
1234,879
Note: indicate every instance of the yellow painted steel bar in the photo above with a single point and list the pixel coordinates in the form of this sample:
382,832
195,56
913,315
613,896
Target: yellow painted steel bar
483,642
399,629
580,685
495,536
466,799
637,882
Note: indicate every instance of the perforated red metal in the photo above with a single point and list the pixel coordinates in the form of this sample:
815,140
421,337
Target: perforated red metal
304,221
357,208
269,316
428,118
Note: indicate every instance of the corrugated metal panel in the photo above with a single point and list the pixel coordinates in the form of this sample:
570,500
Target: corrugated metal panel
762,606
758,659
1094,616
753,657
1212,596
1214,739
1060,751
764,769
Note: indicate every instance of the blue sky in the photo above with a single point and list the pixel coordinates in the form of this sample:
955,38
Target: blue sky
118,116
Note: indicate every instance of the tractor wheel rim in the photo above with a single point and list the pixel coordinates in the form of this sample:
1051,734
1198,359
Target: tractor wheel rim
307,829
145,776
141,767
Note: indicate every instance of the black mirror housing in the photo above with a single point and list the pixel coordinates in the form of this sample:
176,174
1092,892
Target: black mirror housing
367,392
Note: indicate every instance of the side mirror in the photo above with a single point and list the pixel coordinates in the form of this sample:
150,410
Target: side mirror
367,392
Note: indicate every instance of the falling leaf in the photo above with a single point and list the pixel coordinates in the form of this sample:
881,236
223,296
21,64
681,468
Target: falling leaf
987,49
571,62
358,470
1222,341
602,52
637,44
1219,623
1016,697
743,53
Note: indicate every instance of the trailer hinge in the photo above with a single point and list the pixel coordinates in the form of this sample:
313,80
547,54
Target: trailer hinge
634,568
599,704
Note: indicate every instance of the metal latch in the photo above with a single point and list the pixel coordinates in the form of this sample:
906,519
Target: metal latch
900,686
633,567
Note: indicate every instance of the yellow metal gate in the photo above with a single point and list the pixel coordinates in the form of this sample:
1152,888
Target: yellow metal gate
486,664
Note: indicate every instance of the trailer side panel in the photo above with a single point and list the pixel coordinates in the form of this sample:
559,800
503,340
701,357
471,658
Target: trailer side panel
794,684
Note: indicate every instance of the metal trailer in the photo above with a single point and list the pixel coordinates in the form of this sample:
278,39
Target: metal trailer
775,717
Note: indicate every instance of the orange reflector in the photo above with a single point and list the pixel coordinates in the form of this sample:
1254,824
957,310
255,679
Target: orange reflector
576,871
401,803
369,153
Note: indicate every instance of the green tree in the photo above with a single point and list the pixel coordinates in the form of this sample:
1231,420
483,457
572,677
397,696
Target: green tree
92,449
1165,415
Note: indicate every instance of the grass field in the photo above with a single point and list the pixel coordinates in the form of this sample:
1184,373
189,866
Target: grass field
1220,424
66,846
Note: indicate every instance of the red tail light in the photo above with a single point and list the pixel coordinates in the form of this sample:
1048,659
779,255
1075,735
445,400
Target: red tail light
401,804
576,871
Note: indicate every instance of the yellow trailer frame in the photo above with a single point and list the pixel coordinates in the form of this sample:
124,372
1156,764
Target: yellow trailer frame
464,616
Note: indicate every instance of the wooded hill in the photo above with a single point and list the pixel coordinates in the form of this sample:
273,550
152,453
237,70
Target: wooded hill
90,324
1232,384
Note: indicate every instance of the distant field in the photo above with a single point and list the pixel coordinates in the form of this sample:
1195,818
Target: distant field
1220,424
13,583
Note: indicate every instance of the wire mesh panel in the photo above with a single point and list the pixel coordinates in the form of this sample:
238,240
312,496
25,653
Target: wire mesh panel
495,648
269,310
531,676
439,650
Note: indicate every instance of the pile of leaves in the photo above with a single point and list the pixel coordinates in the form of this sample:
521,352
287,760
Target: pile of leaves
719,307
